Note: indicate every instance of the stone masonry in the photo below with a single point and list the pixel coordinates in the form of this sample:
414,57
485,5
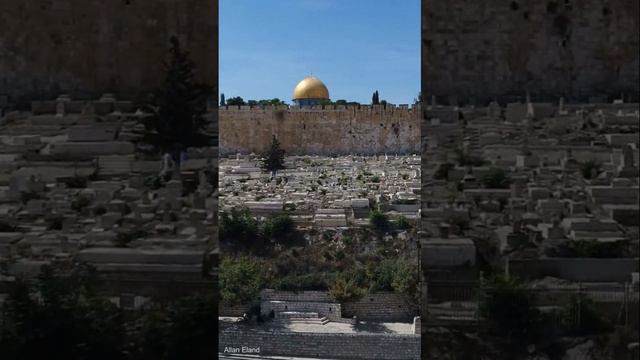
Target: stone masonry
322,131
333,346
495,49
86,48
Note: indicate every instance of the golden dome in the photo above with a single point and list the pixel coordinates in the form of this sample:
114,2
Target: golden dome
310,88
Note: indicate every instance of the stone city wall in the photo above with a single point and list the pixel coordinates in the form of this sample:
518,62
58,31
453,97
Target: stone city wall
499,49
331,130
90,47
323,346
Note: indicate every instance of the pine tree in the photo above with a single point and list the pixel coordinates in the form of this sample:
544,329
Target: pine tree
178,106
273,159
222,100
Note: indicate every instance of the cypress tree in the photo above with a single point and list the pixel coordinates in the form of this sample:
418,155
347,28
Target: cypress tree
273,159
178,106
375,100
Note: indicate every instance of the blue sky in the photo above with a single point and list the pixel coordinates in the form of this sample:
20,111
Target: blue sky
354,46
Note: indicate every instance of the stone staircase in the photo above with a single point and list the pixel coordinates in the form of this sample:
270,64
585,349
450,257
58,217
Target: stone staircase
302,317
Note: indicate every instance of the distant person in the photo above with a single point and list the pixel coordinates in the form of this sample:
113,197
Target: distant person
167,167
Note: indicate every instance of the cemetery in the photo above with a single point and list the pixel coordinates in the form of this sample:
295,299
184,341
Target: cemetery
326,247
539,200
76,187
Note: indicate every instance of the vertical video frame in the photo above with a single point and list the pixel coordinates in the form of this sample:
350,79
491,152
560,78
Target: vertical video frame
319,180
530,180
108,179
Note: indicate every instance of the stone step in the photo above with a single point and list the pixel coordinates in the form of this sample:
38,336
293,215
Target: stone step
297,315
324,320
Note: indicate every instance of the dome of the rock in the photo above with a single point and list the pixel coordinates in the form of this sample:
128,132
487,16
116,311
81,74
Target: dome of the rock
310,90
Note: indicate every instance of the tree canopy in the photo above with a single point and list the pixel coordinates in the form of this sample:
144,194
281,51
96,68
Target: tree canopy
63,315
240,280
236,101
70,320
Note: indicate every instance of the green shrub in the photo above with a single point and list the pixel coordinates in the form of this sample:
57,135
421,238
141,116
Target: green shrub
339,255
304,282
402,223
375,179
379,220
279,227
508,309
380,275
343,290
238,224
240,280
580,318
393,275
405,280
